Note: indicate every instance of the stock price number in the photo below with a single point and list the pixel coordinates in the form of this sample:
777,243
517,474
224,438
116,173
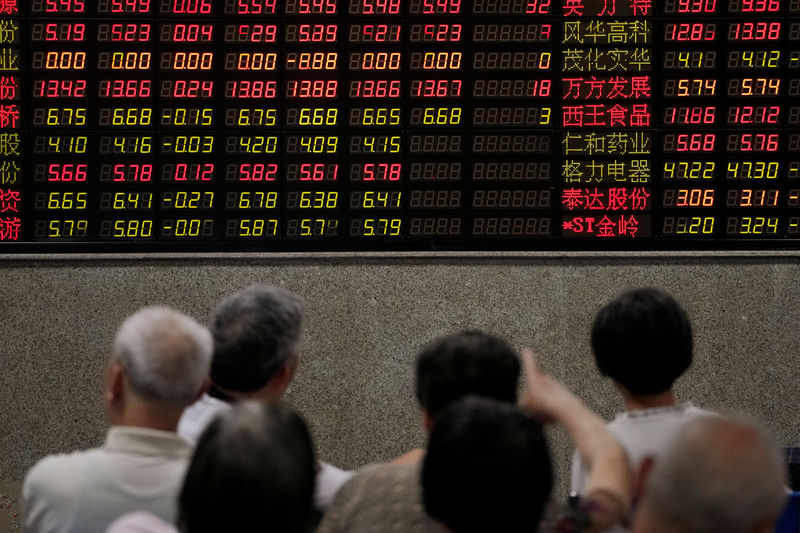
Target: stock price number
252,227
752,226
375,227
375,199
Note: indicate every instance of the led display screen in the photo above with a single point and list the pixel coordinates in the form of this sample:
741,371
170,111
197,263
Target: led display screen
161,125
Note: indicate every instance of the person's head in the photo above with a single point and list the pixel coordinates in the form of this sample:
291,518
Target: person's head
468,362
487,468
253,469
158,366
256,335
643,341
719,474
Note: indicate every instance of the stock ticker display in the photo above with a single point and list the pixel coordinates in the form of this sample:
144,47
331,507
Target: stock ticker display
135,125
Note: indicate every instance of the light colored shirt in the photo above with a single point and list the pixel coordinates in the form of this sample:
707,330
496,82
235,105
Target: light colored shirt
642,433
381,499
199,415
140,522
83,492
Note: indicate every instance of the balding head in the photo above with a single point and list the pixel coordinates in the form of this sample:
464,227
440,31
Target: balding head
165,356
719,474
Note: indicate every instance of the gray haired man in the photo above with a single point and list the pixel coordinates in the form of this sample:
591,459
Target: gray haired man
256,345
158,367
718,475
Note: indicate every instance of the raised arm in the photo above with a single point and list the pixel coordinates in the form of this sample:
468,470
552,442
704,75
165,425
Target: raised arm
608,489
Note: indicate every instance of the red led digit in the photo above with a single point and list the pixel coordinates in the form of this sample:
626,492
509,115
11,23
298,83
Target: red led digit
258,171
754,114
66,172
441,33
133,172
129,33
251,89
754,31
191,33
191,7
448,7
64,6
193,172
312,88
697,6
760,6
125,88
380,33
375,89
130,6
255,7
380,7
382,171
192,89
317,172
59,88
312,7
695,31
316,33
436,88
64,32
537,7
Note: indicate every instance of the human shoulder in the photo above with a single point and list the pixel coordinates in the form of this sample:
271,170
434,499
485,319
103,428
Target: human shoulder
373,479
59,471
655,416
51,486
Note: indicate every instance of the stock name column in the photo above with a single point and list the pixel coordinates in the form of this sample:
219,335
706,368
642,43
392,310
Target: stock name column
11,164
607,140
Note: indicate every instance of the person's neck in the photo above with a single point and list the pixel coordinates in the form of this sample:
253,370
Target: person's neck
264,394
649,401
148,417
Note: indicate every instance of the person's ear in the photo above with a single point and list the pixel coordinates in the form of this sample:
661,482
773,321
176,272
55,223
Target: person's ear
115,383
427,421
203,389
282,378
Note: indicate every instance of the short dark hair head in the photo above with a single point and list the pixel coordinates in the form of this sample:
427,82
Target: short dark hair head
487,468
256,331
643,340
253,469
469,362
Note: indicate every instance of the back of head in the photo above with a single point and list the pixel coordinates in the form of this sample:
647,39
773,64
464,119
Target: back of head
487,468
469,362
165,355
643,340
719,474
253,470
256,331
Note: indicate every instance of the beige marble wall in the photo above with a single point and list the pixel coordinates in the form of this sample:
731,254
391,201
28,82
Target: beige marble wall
368,316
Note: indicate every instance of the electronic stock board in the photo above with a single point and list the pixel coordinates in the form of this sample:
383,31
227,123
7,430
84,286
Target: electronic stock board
162,125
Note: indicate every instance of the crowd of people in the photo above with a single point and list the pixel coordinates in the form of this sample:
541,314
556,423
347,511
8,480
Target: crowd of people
200,440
